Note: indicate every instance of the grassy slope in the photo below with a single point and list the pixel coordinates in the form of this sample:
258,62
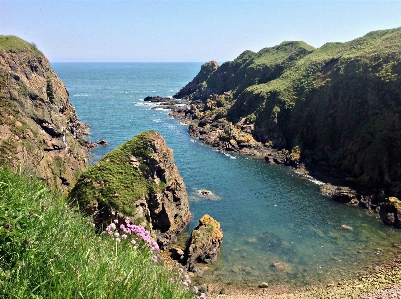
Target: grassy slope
48,250
16,44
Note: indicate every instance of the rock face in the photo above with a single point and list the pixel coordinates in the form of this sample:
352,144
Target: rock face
39,129
138,181
334,112
204,243
339,104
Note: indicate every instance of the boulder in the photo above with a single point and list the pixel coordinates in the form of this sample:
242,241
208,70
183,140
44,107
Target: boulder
204,243
339,193
390,212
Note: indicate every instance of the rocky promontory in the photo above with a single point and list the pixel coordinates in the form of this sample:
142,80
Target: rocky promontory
138,181
40,133
332,112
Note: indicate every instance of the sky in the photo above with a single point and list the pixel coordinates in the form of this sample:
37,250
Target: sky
186,30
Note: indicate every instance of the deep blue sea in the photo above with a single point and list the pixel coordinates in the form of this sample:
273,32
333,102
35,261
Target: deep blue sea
277,227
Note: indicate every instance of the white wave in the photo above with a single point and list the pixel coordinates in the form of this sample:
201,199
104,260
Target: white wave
230,156
157,120
313,180
81,95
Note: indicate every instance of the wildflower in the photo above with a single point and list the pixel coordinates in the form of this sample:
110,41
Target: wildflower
93,224
112,226
133,241
124,237
31,213
127,221
154,259
116,234
202,296
118,240
185,283
196,289
171,280
116,221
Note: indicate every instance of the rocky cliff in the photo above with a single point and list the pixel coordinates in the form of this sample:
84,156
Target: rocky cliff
39,129
337,107
138,181
335,110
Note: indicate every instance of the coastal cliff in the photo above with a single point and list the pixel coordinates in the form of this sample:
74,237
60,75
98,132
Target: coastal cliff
39,130
138,181
335,110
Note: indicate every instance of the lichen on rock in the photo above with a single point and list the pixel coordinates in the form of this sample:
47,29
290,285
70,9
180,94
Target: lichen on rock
138,181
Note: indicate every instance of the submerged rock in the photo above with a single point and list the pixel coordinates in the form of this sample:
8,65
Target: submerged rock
204,243
138,181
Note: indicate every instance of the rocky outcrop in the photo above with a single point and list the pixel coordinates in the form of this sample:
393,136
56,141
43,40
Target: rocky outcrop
204,243
138,181
332,112
39,129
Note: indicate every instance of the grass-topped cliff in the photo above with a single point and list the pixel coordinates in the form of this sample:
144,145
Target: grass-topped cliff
39,129
138,181
338,107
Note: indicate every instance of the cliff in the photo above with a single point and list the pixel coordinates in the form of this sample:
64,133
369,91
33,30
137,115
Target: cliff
39,129
138,181
336,108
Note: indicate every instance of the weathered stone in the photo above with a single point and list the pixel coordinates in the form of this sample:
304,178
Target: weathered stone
204,243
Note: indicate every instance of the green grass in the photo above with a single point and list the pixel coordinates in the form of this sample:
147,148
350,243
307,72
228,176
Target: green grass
49,250
16,44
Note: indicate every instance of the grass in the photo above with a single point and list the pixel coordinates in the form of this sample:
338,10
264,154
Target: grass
49,250
16,44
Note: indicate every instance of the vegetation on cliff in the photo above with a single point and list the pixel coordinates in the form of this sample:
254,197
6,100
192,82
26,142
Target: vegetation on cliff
139,181
337,107
39,129
49,250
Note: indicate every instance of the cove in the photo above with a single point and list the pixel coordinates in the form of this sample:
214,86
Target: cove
277,226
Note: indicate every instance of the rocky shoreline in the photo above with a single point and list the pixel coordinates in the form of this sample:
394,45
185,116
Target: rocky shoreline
206,125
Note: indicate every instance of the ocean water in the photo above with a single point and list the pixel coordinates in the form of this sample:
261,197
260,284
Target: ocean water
277,226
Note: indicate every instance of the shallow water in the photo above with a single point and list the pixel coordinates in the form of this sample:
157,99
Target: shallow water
277,227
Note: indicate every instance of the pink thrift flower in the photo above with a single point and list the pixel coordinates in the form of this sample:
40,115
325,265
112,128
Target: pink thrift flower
118,240
154,259
124,237
115,221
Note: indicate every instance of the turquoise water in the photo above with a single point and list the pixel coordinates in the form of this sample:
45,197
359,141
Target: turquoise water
277,227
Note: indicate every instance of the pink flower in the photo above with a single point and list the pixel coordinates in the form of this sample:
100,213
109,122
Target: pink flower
124,237
154,259
118,240
115,221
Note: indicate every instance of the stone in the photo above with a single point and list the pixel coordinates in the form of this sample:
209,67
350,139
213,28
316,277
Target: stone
263,285
338,193
103,142
204,243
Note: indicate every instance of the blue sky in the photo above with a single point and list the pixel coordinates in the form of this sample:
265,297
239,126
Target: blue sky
191,30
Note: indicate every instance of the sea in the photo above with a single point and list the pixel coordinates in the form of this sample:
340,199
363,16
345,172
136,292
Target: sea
277,227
